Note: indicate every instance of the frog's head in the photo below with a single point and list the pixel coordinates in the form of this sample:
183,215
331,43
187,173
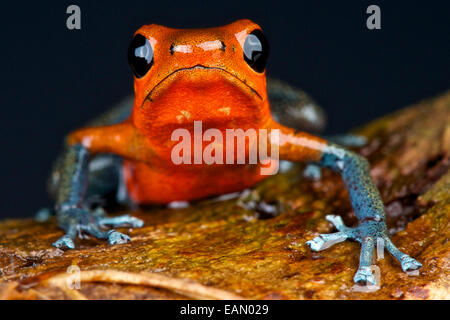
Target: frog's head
216,75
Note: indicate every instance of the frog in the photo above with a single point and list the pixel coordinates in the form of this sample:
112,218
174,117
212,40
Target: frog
215,75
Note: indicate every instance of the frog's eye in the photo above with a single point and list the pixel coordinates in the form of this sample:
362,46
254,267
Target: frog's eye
256,50
140,55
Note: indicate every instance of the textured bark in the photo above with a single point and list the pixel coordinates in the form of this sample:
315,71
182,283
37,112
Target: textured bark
254,246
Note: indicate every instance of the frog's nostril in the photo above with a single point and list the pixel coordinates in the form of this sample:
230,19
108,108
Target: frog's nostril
171,49
223,46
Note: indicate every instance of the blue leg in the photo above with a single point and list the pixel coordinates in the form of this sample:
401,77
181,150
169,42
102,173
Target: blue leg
369,209
74,217
313,171
364,274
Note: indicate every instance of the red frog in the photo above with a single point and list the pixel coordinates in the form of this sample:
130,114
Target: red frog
215,77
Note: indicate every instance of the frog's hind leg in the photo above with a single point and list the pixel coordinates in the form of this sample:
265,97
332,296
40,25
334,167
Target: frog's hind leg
106,181
294,108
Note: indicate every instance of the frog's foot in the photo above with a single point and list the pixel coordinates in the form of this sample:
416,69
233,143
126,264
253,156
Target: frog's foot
407,263
81,222
65,242
368,234
348,140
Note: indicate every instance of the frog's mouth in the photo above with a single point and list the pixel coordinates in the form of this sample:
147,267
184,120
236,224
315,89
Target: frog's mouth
151,94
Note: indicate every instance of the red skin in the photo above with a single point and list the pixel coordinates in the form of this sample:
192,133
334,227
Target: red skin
168,97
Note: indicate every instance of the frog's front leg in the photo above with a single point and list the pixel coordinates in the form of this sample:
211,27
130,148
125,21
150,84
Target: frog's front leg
364,196
73,213
313,171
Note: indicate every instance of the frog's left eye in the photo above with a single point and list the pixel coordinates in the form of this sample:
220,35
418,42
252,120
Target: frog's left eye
256,50
140,55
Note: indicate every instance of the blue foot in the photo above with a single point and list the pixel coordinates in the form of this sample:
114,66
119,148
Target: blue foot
65,242
364,276
410,264
368,234
115,237
81,222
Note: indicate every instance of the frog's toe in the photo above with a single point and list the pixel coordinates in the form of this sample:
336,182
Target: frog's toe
410,264
115,237
407,263
364,276
65,242
337,222
121,221
324,241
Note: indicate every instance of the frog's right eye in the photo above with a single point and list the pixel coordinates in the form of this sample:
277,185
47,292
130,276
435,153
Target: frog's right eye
140,55
256,50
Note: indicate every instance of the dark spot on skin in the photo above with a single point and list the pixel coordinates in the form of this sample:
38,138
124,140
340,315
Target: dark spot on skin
171,49
223,46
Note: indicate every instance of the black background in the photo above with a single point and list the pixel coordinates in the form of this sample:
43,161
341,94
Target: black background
54,79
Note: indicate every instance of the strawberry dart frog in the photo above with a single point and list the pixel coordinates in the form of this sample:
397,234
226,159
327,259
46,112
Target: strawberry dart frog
217,76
